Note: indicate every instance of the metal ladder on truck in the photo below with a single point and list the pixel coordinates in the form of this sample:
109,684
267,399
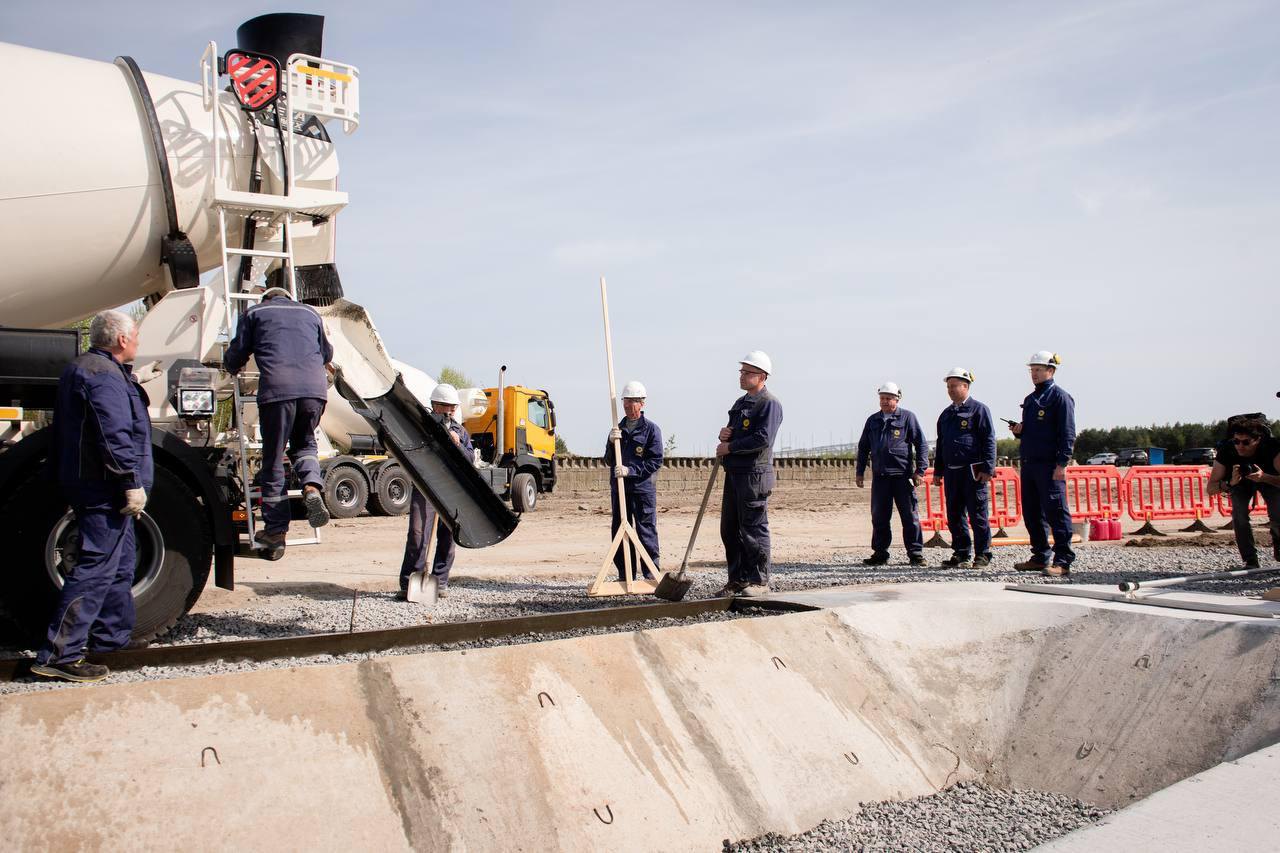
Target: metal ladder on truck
312,86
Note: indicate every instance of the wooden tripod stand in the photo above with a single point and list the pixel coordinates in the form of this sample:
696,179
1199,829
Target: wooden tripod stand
626,535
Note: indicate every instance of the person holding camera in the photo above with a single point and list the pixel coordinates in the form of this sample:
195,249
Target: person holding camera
1249,463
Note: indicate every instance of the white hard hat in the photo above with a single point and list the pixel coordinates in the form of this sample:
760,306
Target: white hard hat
446,393
959,373
274,291
758,359
634,390
890,388
1044,358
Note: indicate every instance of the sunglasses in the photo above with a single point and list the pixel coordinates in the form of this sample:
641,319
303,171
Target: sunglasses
1244,441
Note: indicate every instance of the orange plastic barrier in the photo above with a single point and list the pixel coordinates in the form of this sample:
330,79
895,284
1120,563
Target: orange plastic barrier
1006,499
1004,495
1168,492
1094,491
1257,507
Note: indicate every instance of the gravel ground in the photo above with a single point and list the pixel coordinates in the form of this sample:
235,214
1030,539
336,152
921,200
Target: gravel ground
326,608
968,816
30,684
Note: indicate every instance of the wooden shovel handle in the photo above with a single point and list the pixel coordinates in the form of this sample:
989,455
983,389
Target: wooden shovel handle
697,522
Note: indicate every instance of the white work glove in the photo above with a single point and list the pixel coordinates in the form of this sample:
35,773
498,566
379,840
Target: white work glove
621,471
134,501
146,372
615,434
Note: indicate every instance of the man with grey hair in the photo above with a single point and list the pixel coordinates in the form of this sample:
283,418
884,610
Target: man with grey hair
101,456
288,342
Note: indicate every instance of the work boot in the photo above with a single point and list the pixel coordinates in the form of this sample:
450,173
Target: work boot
1058,570
442,592
876,560
272,544
1029,566
918,560
754,590
317,512
75,671
982,561
1252,564
731,588
956,561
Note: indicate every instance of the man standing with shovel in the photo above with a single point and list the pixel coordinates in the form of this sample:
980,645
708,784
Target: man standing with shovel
746,450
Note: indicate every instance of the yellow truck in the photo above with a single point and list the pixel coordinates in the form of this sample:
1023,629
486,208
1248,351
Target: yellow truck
521,455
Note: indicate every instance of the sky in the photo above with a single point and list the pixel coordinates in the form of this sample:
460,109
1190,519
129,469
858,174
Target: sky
865,191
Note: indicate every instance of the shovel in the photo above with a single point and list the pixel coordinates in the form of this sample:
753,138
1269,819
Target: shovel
422,585
674,587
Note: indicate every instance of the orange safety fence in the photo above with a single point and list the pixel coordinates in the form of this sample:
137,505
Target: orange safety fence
1004,496
1256,507
1094,491
1167,492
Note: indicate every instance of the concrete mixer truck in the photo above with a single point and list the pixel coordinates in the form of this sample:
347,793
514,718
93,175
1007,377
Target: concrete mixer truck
118,185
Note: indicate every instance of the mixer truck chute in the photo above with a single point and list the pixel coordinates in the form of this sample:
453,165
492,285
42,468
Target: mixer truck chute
86,228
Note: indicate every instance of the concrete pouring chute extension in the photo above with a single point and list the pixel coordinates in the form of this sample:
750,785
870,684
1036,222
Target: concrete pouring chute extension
170,180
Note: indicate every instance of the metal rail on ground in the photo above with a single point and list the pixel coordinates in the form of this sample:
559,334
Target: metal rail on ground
357,642
1153,600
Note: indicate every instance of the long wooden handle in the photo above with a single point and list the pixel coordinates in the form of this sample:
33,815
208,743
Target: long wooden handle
697,522
617,443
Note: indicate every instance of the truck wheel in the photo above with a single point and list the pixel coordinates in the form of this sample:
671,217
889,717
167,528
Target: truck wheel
345,491
175,549
391,490
524,492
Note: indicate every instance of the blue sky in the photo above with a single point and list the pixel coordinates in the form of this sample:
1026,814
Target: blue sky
866,191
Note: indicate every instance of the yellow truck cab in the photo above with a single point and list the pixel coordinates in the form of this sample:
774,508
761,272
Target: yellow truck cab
522,452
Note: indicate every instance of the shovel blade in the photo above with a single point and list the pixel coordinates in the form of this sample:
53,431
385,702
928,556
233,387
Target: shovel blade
673,587
422,588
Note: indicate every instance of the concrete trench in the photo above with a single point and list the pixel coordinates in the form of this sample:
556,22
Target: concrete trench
670,739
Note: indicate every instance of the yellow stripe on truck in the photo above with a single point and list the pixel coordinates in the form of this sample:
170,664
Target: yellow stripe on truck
10,413
323,72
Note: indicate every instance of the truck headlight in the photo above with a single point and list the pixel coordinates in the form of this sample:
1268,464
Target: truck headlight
195,402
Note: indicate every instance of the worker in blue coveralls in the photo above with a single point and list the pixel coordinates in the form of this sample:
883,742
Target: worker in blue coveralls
1048,435
893,443
746,451
641,443
422,515
101,459
289,345
963,465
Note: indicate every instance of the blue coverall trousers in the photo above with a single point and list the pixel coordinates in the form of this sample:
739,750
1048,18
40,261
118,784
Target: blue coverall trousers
744,525
291,422
968,503
1044,508
887,491
642,509
96,605
421,514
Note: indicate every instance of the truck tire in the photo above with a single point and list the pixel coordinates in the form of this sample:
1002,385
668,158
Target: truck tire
392,489
524,492
175,549
345,491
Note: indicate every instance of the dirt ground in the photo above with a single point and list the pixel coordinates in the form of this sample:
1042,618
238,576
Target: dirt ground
565,537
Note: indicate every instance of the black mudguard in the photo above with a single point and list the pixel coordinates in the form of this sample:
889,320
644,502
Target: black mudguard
438,467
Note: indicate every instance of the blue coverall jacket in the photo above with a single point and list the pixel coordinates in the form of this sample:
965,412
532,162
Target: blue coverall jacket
966,436
894,447
287,339
101,432
754,421
1048,425
641,453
